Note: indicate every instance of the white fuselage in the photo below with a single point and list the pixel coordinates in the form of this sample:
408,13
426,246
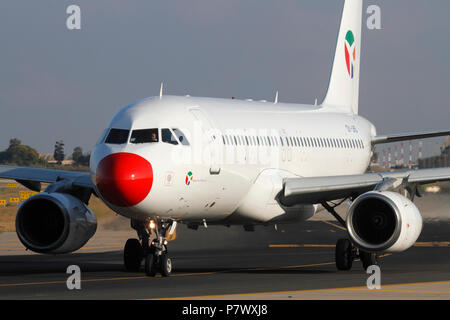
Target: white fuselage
238,154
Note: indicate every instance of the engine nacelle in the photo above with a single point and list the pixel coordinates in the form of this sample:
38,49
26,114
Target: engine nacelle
54,223
383,221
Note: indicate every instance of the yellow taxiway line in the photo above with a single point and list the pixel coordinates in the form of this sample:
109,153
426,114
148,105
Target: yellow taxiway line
333,224
422,244
318,290
173,275
417,244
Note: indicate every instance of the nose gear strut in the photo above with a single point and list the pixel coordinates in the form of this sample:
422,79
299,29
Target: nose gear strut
151,247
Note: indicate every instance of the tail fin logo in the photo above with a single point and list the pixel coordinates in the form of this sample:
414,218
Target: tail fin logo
350,52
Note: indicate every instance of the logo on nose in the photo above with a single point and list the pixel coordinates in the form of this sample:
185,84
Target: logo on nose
124,179
188,178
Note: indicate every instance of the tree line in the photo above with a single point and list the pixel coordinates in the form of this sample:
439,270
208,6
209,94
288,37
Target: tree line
18,154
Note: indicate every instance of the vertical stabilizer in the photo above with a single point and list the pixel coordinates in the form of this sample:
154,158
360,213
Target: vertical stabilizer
343,89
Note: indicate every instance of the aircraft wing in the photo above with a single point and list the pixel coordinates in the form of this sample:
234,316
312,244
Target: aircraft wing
317,189
408,136
31,177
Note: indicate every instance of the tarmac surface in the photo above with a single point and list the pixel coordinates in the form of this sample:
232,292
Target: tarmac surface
293,262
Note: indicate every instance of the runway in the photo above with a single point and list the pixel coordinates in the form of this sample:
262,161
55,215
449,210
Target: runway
293,262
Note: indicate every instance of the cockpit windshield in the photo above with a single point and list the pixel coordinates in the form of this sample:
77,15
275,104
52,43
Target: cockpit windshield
120,136
168,137
144,136
117,136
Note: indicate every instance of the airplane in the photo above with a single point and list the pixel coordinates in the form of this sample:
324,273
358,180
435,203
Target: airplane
166,160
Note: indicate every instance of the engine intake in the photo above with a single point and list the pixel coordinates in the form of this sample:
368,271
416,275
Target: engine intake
383,221
54,223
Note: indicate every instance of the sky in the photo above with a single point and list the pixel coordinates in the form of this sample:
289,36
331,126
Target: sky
65,84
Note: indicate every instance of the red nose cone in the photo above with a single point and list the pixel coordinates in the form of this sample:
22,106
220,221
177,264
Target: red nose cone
124,179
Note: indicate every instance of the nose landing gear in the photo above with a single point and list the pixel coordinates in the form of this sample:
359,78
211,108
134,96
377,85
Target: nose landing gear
152,247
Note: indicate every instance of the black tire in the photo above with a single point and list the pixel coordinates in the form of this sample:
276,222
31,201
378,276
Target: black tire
165,265
344,254
368,259
150,269
133,253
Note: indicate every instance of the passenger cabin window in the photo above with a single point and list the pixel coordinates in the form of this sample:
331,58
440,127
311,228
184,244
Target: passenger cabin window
181,137
117,136
144,136
167,136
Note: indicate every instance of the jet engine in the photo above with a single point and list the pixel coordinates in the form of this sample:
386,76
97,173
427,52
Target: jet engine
383,221
54,223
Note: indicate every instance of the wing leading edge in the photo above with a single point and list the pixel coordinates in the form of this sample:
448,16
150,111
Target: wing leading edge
408,136
31,177
317,189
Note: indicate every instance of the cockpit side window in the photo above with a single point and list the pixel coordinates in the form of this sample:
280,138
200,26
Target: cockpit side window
117,136
144,136
102,137
167,136
181,137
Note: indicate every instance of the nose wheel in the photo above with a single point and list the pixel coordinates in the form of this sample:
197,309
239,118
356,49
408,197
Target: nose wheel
157,262
152,248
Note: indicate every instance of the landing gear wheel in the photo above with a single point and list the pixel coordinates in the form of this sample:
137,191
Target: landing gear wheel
150,269
165,265
133,254
344,254
368,259
152,234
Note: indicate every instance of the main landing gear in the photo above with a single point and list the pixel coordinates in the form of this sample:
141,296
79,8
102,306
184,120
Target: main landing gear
346,252
151,247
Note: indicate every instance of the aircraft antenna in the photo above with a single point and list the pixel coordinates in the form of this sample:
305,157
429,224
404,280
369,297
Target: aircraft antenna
276,97
161,90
